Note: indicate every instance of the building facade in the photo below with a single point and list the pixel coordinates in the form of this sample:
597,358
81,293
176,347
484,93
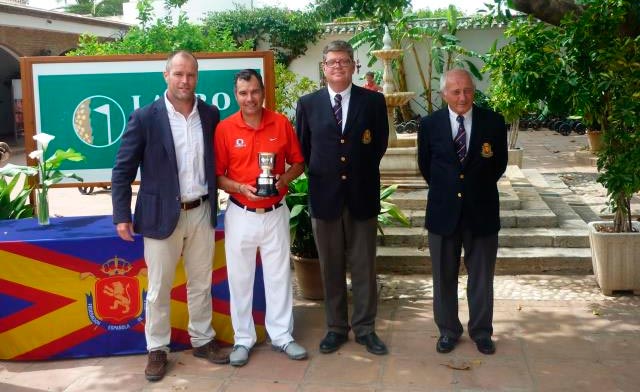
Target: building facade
27,31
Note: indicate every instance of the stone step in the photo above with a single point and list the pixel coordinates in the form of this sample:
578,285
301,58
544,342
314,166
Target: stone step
404,182
510,237
534,260
508,219
415,199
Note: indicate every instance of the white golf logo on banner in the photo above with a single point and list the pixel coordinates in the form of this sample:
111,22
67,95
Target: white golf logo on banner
93,122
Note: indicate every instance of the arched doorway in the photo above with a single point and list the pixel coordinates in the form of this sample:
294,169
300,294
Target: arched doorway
9,72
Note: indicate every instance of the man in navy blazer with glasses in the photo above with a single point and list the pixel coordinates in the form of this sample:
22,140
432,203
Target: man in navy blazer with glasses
343,131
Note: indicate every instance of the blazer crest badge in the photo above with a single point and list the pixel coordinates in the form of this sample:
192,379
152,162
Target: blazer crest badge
486,152
366,136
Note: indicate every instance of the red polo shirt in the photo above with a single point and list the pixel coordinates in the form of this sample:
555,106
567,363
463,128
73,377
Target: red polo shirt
237,146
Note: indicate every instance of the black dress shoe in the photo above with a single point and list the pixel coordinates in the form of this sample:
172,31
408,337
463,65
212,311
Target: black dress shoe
486,346
446,344
332,342
373,343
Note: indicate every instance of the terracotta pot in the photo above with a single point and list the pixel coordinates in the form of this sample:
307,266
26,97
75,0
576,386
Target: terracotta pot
309,277
616,259
595,140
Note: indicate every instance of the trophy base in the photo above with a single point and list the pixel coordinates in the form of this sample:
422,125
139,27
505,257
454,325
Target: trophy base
266,187
267,192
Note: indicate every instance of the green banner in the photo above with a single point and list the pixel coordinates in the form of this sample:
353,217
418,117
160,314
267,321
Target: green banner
92,113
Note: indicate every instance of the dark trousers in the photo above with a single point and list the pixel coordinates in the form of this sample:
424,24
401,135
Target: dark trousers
341,242
480,261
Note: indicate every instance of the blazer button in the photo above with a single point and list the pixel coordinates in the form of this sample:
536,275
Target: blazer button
343,159
459,194
461,176
342,141
343,177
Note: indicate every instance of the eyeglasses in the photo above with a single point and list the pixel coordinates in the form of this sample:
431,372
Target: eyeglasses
338,63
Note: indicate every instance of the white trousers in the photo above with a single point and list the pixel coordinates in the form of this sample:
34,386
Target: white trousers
245,232
194,239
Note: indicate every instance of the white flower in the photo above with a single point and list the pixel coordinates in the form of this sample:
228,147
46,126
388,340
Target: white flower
43,139
36,154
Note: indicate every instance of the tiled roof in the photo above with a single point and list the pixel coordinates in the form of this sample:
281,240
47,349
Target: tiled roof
441,23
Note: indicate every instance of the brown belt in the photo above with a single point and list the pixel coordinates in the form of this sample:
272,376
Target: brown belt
256,210
188,205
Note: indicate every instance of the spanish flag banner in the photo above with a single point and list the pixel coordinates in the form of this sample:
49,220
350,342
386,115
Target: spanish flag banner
74,289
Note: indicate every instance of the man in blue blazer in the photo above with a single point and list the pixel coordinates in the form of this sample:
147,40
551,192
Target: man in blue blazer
343,132
171,141
462,153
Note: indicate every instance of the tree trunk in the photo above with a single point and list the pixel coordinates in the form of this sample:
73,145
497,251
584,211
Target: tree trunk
513,134
405,110
622,216
427,89
429,92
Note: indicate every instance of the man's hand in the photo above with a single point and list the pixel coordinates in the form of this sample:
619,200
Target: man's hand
125,231
249,191
294,171
281,181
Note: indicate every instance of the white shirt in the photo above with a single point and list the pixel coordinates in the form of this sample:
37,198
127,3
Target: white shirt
188,141
453,120
346,95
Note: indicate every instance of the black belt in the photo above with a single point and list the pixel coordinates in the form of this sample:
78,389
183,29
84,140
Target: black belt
256,210
188,205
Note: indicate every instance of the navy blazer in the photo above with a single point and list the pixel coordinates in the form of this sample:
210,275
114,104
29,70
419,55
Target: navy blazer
463,193
148,143
343,168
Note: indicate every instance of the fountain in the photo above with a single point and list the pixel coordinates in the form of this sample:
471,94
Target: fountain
400,158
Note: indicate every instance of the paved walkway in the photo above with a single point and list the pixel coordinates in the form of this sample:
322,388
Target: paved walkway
553,333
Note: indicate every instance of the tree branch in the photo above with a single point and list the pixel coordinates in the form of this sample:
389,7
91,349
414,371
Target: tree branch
550,11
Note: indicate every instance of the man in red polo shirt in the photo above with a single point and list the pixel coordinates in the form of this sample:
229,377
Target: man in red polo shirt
253,222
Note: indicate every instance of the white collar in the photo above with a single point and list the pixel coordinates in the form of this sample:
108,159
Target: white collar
345,93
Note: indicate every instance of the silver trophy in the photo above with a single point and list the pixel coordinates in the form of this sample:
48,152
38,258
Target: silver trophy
266,182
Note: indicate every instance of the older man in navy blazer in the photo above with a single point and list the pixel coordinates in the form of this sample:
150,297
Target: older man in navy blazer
462,152
343,132
171,141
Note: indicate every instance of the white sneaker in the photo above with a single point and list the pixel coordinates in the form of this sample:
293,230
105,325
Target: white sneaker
293,350
239,356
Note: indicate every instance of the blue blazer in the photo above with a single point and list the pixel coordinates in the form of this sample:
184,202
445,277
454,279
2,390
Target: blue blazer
343,168
148,144
463,193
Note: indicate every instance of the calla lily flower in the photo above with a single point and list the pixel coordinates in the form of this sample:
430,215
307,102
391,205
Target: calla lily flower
36,154
43,139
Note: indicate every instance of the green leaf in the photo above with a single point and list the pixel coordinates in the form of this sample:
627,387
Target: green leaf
13,170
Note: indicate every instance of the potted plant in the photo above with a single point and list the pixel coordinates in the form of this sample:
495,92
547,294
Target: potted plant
304,253
48,172
606,63
589,64
615,246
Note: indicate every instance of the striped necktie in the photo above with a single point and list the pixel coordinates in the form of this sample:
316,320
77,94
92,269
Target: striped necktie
337,110
461,140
